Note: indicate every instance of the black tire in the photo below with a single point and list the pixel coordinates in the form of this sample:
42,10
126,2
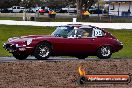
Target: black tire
10,12
21,11
42,51
20,56
104,52
81,80
81,57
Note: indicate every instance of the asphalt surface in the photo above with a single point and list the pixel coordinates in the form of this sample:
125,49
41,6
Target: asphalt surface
59,58
31,58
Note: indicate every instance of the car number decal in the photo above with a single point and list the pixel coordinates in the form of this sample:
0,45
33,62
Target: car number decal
97,32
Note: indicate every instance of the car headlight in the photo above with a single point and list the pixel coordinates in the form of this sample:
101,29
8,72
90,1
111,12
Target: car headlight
29,41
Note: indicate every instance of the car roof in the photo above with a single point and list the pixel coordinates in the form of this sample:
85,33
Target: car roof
89,26
82,26
71,25
86,26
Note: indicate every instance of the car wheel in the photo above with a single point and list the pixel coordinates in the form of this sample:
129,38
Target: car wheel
20,56
81,80
42,51
104,52
81,57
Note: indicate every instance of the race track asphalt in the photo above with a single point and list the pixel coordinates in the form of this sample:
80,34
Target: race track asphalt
31,58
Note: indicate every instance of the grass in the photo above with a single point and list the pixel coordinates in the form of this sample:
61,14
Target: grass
107,20
90,19
11,18
12,31
39,19
46,19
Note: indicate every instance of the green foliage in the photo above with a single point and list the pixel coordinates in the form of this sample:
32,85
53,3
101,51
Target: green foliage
27,3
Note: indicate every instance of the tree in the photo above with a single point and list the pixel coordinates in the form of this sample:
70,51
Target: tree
27,3
7,3
83,5
10,3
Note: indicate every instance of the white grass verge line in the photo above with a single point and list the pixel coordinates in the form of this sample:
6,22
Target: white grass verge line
101,25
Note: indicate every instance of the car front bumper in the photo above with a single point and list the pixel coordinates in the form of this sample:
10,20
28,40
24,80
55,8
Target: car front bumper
14,48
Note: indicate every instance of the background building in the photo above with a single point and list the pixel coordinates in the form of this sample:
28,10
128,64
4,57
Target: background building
120,7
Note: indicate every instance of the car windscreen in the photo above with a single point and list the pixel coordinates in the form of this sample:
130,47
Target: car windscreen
62,31
80,33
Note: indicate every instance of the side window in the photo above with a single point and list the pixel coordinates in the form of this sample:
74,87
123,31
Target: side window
84,32
18,7
22,8
87,32
80,33
14,7
72,34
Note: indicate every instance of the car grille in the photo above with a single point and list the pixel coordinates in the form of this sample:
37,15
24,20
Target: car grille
10,47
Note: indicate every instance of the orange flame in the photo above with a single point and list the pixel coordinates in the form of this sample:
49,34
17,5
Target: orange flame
82,72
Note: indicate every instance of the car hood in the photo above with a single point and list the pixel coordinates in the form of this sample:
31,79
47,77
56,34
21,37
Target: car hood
35,36
24,38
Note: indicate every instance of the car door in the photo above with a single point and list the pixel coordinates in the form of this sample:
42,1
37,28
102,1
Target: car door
80,45
74,45
14,9
84,42
17,8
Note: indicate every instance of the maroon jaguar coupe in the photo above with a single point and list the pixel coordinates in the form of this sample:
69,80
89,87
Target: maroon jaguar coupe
80,41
